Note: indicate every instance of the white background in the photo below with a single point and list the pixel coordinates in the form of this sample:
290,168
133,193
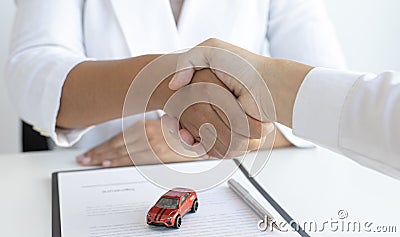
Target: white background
369,32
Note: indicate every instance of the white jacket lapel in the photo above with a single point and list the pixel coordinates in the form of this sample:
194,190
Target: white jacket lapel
148,26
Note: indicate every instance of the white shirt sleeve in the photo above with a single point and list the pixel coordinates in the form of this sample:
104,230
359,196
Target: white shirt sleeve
46,43
354,114
300,30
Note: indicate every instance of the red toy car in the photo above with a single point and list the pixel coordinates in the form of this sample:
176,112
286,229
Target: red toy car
172,206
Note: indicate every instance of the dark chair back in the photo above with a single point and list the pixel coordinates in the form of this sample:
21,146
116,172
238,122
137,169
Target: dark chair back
32,140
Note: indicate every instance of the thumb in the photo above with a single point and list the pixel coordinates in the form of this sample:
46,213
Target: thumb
181,79
187,63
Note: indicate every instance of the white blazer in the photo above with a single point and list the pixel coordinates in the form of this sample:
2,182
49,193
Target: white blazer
355,114
51,37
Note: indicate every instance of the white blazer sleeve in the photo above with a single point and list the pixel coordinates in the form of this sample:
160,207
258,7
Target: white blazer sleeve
300,30
46,44
354,114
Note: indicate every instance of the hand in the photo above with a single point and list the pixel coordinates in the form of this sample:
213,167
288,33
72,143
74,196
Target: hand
228,141
238,69
265,87
113,152
225,61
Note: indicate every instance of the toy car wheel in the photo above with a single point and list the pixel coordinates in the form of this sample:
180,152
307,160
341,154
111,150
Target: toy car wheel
178,221
195,206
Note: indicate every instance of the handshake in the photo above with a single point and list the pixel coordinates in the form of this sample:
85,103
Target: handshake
222,100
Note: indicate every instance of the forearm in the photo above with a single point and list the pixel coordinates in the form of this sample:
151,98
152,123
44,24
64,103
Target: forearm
284,78
94,91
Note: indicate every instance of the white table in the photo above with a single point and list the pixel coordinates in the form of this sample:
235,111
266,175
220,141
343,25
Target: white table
311,184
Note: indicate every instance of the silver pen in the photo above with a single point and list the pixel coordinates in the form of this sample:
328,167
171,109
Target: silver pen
251,202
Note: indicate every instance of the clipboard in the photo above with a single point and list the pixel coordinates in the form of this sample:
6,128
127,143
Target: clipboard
271,201
55,207
55,201
56,215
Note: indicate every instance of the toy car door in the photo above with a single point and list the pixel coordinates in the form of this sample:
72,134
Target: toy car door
185,203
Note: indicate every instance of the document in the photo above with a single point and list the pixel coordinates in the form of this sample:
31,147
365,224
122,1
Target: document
114,202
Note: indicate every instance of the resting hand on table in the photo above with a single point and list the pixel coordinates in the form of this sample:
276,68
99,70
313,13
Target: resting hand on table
113,152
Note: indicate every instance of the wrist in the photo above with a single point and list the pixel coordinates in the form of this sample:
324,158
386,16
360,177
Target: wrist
160,96
155,75
284,78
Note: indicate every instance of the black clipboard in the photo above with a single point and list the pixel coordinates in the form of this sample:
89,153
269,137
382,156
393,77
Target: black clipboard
55,201
271,201
55,206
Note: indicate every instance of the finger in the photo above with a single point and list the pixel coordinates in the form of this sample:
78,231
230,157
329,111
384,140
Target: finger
122,161
134,132
171,124
110,144
200,150
100,157
186,137
243,144
181,79
86,157
208,143
184,71
224,104
194,146
259,130
190,144
268,134
138,146
220,135
188,62
256,129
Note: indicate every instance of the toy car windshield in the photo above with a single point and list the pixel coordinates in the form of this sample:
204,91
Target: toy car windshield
168,203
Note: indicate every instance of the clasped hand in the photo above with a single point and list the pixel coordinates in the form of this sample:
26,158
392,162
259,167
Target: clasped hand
235,70
216,121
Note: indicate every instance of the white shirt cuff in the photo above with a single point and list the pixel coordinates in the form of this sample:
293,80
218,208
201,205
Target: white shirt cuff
296,141
319,103
52,92
97,134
